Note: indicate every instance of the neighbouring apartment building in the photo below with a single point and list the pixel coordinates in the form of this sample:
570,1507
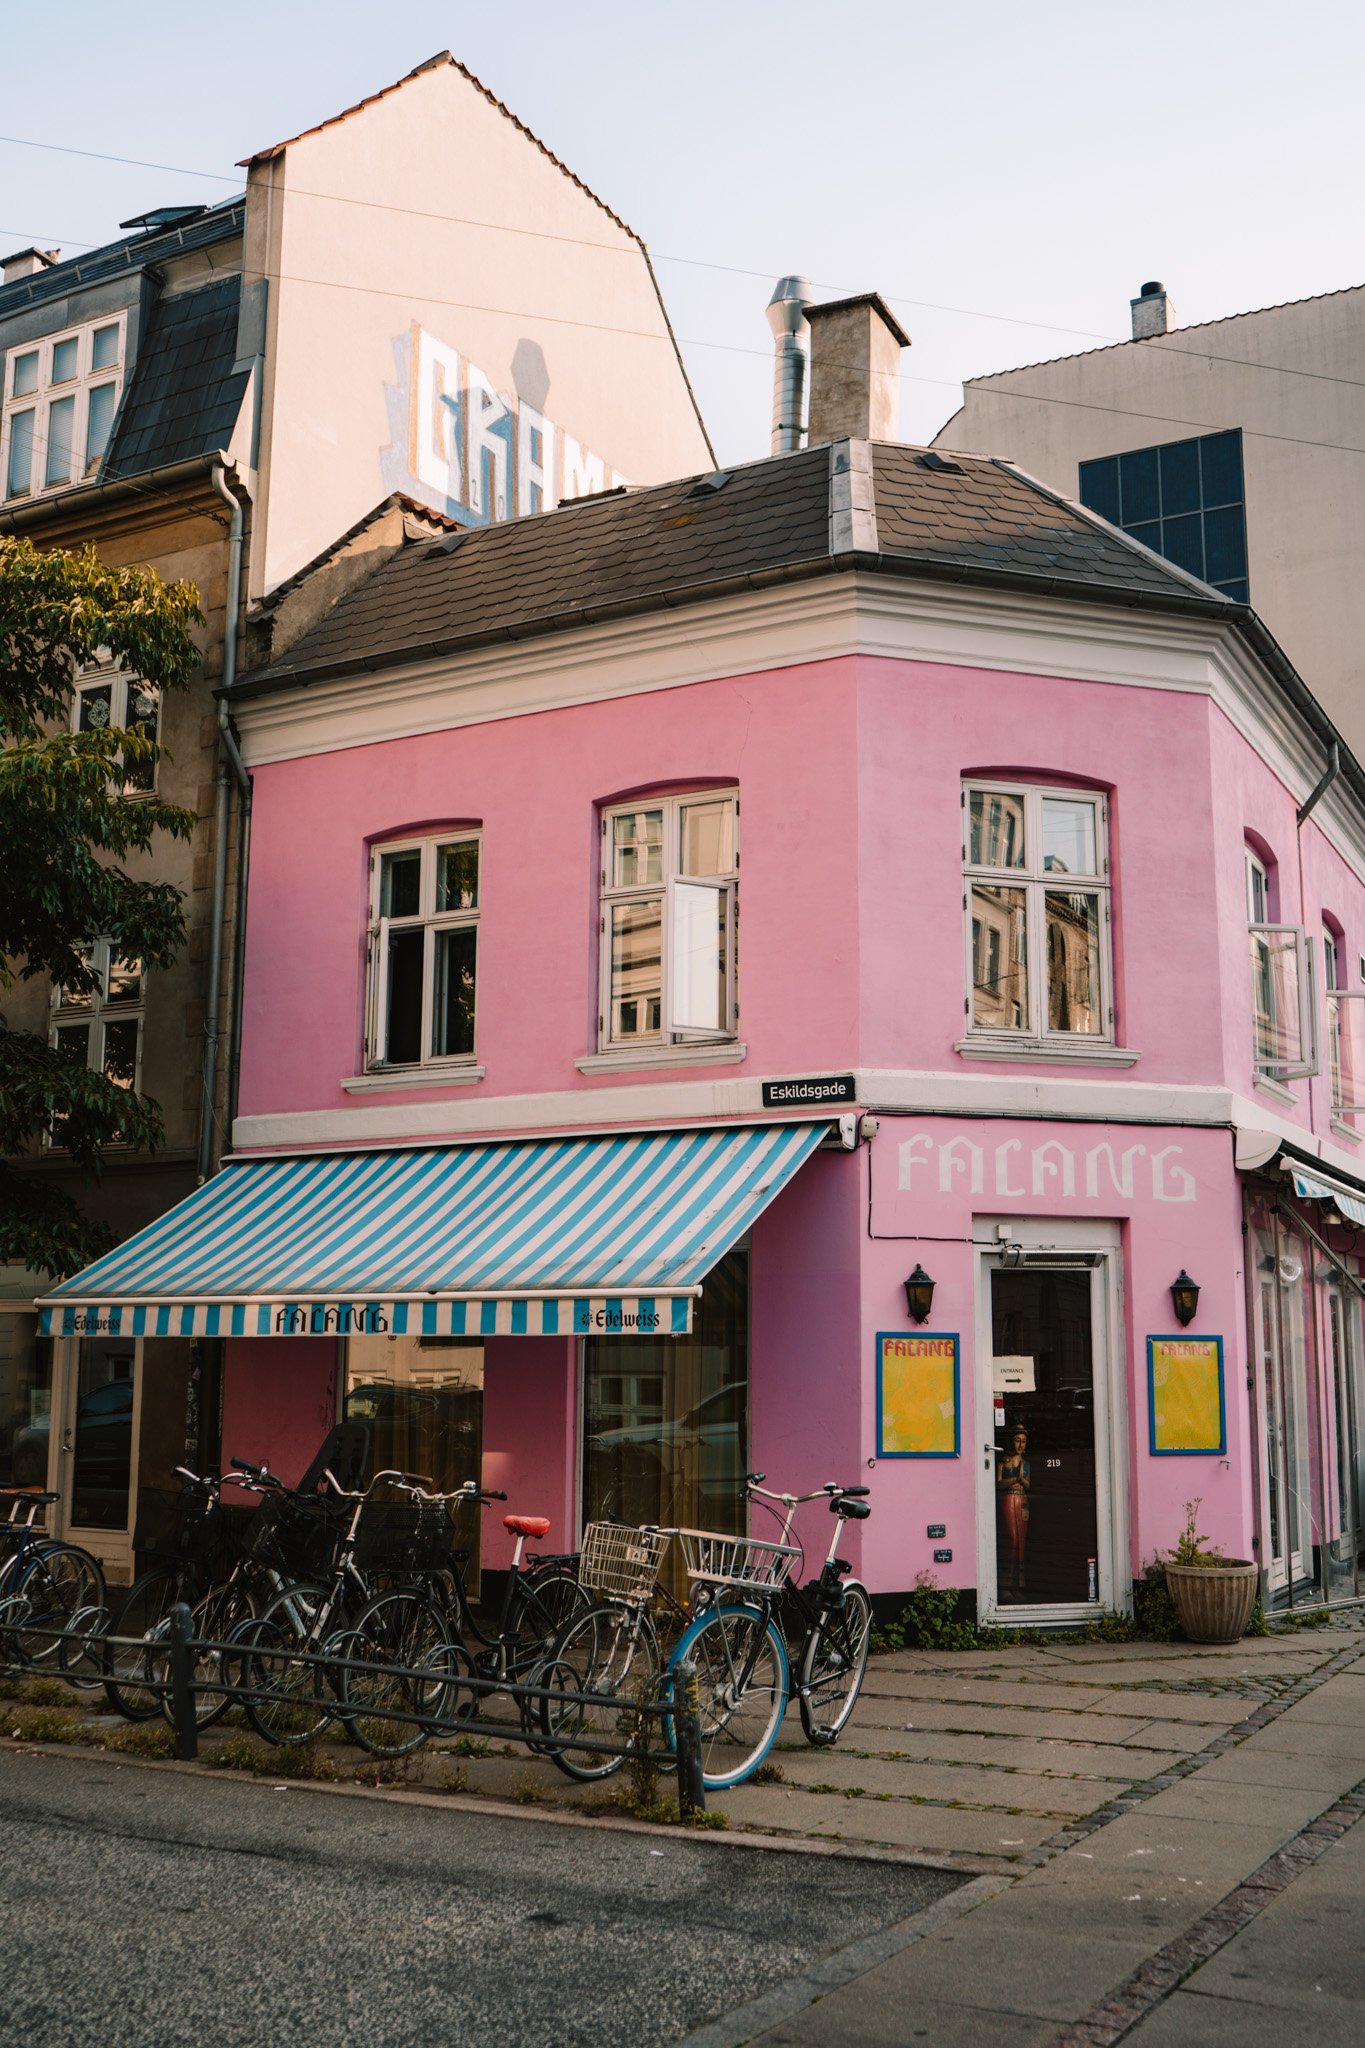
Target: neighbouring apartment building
414,319
1235,448
801,967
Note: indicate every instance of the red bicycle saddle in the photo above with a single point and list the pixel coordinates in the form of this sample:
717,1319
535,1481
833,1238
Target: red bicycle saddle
526,1525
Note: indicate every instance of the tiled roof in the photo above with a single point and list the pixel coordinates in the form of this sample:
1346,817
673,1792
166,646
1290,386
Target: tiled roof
184,396
113,259
973,520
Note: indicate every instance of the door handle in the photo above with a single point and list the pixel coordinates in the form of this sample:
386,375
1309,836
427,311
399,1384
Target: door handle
989,1452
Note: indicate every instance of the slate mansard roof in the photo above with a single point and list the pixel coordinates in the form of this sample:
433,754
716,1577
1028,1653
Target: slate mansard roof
119,259
964,519
184,395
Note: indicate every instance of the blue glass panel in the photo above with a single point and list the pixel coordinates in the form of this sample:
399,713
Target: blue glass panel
1100,488
1225,544
1182,542
1179,477
1149,534
1237,591
1139,486
1221,459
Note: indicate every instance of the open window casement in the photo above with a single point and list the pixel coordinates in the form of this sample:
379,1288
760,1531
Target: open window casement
1346,1039
376,980
701,955
1282,1002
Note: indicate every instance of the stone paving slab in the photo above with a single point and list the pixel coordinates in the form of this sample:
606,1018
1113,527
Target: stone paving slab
1192,1736
1340,1699
1313,1738
896,1822
1150,1845
1196,1798
1190,2019
1048,1756
1251,1763
937,2025
974,1720
972,1785
993,1692
1220,1708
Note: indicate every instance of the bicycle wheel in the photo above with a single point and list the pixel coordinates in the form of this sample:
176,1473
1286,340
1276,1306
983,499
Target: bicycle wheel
138,1625
60,1581
614,1655
387,1710
551,1599
742,1666
214,1672
83,1656
284,1695
832,1666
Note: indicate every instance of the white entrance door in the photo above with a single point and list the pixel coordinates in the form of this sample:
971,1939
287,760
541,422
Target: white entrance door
1284,1305
1052,1537
98,1398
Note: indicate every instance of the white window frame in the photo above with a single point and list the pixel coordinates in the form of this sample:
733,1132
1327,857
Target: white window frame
1261,928
430,921
95,1010
727,886
108,675
41,399
1037,883
1338,1003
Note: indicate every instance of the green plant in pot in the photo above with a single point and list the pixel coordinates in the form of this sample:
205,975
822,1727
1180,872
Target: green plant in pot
1213,1595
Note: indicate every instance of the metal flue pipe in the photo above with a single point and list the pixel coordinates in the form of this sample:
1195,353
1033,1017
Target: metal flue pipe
791,333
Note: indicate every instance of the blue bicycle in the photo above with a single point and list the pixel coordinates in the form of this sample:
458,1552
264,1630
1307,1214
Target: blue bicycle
52,1598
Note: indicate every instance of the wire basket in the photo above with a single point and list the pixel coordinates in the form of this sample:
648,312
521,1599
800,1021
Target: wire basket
298,1534
715,1560
186,1527
403,1538
621,1563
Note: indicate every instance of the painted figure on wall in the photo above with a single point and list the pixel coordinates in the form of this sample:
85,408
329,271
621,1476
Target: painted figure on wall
1012,1479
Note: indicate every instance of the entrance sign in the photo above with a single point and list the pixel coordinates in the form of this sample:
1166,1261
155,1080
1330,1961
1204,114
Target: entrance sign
918,1409
1013,1375
1185,1396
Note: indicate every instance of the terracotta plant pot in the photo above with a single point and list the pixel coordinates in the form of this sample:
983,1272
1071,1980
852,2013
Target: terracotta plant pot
1214,1601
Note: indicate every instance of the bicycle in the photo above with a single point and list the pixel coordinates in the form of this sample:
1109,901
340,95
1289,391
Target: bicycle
47,1587
540,1596
610,1651
740,1647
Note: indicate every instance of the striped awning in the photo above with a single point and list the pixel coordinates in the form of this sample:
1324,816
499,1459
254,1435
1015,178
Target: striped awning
1317,1187
541,1237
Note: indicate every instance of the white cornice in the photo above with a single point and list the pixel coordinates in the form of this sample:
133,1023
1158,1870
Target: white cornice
827,618
710,1099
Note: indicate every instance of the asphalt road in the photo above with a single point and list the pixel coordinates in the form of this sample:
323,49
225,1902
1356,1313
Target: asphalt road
143,1907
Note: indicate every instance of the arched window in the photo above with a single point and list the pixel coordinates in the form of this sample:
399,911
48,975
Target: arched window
424,939
1283,1023
670,890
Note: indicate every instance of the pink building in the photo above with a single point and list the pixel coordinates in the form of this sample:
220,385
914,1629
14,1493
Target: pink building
680,920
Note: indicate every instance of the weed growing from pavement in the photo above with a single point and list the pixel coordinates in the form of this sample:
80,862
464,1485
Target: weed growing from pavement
42,1724
466,1745
455,1781
47,1692
768,1773
141,1738
244,1753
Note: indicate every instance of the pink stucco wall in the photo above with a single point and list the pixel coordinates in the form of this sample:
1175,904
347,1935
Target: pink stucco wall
279,1401
530,1440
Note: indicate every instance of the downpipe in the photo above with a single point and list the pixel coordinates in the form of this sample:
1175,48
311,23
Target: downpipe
230,767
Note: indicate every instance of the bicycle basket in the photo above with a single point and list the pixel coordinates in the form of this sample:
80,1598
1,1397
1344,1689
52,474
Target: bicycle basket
298,1534
620,1563
185,1527
715,1560
403,1538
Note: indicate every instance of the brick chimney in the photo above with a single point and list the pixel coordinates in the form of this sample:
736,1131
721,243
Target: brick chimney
855,361
24,262
1153,312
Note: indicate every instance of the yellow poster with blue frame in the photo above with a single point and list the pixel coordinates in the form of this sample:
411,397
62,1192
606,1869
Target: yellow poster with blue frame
917,1395
1186,1414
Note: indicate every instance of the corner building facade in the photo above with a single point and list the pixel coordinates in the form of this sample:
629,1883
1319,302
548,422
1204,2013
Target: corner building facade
800,1004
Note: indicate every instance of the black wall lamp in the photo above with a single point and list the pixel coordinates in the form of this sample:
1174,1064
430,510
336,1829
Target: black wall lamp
919,1295
1184,1297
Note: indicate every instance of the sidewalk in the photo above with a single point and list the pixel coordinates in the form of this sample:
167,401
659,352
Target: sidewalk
1188,1772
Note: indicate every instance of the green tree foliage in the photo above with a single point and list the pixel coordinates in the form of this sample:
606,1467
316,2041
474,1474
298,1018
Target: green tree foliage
67,827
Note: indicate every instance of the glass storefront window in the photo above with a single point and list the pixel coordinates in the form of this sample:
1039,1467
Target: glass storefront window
665,1419
25,1401
422,1398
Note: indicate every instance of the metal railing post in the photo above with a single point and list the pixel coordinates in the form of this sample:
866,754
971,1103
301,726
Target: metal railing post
182,1684
687,1735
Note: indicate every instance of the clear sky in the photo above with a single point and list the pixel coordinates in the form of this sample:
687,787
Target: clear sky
1031,163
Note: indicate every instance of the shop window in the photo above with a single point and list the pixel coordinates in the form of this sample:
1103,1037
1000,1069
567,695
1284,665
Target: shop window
25,1400
58,408
665,1419
1283,1025
1345,1008
422,1400
105,697
101,1027
669,923
424,938
1036,894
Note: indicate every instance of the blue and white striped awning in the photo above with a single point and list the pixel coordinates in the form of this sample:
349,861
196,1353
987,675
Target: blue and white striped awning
541,1237
1316,1187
